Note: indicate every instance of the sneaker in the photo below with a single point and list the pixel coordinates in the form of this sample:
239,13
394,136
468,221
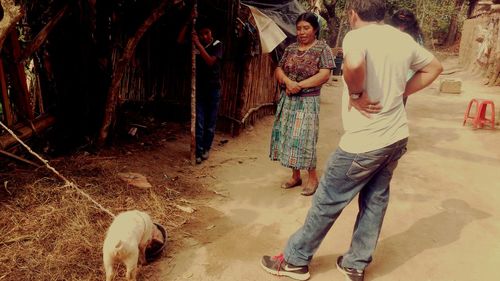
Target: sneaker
198,160
350,274
204,156
278,266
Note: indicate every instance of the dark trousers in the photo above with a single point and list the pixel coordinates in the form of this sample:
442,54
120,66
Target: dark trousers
207,106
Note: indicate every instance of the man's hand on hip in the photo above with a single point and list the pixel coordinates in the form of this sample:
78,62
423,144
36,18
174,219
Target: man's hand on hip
364,105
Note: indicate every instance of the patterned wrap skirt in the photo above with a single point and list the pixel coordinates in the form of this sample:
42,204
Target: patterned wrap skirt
295,132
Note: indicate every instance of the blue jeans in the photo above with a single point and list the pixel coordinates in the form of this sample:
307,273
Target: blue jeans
346,175
207,106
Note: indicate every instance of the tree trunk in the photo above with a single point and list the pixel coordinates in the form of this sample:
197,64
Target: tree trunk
472,6
43,34
7,108
453,29
18,77
332,20
128,52
11,15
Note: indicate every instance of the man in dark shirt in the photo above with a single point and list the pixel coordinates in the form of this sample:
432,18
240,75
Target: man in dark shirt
208,85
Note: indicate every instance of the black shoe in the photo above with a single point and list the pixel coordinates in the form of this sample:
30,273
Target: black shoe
278,266
351,274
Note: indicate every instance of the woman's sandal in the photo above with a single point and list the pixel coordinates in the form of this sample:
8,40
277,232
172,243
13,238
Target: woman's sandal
309,190
287,185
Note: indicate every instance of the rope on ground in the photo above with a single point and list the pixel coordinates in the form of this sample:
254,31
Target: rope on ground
67,183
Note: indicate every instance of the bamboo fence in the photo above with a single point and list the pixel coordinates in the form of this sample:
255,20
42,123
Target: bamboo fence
159,72
162,72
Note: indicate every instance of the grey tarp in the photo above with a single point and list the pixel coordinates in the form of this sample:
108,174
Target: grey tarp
283,12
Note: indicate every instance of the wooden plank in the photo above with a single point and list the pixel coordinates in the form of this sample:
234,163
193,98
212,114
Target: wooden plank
25,132
12,155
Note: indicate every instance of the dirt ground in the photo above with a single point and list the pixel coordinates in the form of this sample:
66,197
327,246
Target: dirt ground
443,219
442,223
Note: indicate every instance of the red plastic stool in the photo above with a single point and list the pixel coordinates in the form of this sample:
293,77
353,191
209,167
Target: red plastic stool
479,119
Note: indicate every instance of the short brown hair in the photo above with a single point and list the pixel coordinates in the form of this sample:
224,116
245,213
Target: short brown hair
368,10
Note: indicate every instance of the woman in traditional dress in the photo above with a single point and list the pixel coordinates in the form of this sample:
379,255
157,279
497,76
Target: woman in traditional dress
305,66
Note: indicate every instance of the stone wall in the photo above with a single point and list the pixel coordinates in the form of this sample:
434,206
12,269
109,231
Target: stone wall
480,42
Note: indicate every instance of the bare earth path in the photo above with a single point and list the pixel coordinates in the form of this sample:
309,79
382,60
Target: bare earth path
443,221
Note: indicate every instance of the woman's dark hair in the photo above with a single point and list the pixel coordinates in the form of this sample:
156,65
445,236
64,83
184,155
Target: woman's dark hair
368,10
407,21
310,18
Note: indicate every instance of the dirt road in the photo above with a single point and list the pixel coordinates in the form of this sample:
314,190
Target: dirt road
443,221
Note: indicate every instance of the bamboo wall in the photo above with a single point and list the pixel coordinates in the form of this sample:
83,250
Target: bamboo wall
162,70
72,84
259,86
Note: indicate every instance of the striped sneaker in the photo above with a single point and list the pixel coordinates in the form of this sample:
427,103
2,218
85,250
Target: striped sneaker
278,266
350,274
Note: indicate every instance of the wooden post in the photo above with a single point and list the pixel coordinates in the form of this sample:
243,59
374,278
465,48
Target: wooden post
193,90
119,71
5,97
19,77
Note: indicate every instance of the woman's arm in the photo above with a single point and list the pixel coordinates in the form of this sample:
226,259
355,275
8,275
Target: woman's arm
317,79
292,87
280,75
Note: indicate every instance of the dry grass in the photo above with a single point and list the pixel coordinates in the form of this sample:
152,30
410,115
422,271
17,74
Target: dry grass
50,232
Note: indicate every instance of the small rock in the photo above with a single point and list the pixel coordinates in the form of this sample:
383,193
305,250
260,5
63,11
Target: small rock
452,86
135,179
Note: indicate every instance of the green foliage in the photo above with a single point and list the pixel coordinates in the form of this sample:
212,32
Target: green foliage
434,16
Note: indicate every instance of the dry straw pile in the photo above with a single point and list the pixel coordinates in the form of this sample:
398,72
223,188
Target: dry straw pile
51,232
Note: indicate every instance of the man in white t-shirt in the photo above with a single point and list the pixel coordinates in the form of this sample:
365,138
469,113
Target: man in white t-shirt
377,58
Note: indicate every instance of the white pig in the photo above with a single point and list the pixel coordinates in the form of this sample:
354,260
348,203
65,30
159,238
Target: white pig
126,240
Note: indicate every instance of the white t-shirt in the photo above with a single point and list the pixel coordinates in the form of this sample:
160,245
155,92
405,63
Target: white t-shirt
389,55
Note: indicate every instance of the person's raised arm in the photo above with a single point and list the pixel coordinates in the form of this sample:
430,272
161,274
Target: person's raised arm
209,60
181,37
